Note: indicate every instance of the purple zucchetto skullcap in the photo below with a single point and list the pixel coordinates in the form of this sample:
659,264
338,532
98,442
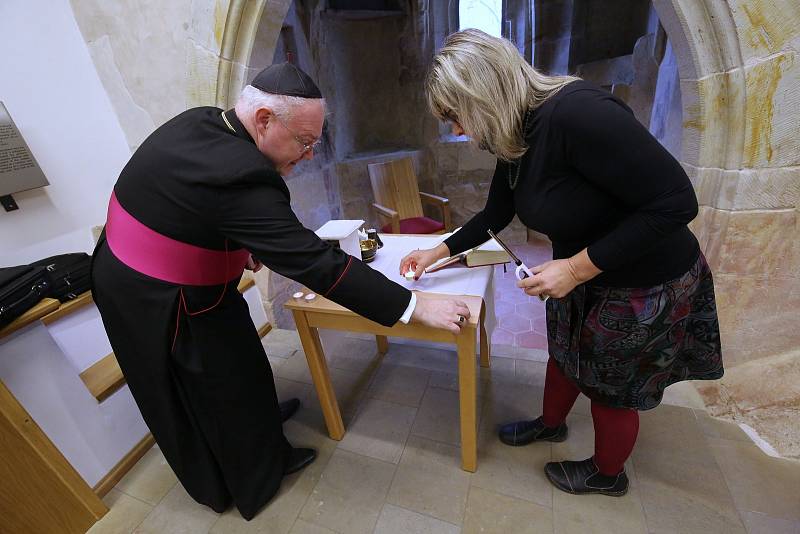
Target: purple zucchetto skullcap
286,79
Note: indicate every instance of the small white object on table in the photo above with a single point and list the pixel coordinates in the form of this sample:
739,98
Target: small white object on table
477,281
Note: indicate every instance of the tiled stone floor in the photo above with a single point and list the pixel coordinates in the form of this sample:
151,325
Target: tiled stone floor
520,318
397,469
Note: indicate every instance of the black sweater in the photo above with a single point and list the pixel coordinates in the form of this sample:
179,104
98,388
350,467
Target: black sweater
595,177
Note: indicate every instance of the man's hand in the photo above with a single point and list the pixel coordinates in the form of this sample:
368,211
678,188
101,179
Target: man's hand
449,314
253,264
419,260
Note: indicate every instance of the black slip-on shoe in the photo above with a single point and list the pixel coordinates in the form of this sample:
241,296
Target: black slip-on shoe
524,432
298,459
584,478
288,409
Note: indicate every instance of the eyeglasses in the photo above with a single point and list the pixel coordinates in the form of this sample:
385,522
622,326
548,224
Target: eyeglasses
307,147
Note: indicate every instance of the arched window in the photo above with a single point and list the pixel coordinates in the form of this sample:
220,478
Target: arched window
485,15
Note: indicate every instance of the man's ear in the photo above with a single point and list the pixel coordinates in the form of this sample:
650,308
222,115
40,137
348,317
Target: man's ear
263,117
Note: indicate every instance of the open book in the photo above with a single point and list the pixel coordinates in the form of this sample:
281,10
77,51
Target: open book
490,253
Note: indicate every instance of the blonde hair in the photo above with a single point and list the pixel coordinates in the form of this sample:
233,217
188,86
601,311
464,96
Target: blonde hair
484,84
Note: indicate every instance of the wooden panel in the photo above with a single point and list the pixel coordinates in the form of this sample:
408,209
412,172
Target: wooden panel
40,491
381,185
264,330
245,284
44,307
103,378
404,180
394,185
123,466
68,307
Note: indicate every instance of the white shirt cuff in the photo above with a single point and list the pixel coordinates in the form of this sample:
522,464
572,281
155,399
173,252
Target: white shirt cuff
406,317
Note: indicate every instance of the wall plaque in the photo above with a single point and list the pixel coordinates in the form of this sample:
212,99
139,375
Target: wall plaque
18,168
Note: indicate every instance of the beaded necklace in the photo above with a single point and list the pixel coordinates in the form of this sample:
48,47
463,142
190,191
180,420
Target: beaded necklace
517,163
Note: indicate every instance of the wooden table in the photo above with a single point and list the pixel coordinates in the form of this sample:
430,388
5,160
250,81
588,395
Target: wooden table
322,313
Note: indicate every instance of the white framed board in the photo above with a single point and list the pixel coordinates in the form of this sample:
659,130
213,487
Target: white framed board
19,170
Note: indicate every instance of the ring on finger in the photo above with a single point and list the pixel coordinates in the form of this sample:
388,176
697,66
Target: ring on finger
461,319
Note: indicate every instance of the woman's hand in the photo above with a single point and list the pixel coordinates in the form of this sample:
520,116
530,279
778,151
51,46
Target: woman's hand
449,314
551,279
419,260
557,278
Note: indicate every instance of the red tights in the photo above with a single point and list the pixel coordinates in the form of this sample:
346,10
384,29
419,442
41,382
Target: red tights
615,429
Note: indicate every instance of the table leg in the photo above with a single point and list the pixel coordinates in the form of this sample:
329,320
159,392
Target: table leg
320,375
383,344
486,346
468,396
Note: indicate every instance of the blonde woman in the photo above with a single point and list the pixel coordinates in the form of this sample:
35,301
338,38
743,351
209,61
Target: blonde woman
631,306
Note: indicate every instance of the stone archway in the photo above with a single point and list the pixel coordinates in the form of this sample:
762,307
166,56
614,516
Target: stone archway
706,45
242,22
741,110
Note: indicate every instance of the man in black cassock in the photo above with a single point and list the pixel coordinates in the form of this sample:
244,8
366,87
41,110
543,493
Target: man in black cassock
203,189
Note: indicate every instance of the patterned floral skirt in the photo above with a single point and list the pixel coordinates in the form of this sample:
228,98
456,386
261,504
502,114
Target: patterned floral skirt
624,346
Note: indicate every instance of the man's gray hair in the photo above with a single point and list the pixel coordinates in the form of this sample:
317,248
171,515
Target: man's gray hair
253,99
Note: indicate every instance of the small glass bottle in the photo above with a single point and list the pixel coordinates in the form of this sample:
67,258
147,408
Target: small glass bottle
373,234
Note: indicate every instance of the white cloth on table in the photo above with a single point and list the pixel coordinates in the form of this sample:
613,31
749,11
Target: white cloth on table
478,281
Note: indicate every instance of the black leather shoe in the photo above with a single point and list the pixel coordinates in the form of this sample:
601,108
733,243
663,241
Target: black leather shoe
288,408
298,459
524,432
584,478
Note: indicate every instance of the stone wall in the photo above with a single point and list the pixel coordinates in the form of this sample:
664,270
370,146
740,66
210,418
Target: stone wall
740,84
666,119
373,108
156,59
603,29
463,174
553,35
647,81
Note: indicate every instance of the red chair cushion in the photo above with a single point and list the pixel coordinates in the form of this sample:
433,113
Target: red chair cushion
416,225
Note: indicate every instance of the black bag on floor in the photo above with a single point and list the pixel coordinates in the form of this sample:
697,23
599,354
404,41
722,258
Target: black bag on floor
69,274
21,288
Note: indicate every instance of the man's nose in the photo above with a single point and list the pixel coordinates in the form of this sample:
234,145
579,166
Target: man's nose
309,154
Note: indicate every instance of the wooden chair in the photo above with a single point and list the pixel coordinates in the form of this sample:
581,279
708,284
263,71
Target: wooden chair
399,200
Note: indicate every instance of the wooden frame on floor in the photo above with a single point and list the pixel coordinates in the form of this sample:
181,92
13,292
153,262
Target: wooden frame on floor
111,479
